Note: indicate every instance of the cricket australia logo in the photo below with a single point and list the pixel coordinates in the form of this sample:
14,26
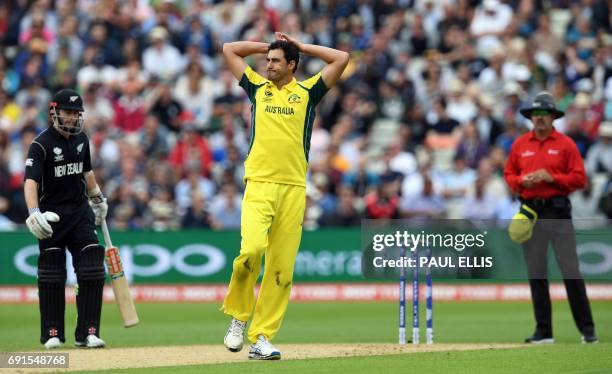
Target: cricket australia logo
294,99
79,148
58,154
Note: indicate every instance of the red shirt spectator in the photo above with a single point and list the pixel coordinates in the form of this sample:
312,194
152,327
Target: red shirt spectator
192,148
384,203
130,109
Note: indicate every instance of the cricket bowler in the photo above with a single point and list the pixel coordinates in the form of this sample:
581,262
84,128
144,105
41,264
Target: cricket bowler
282,116
58,184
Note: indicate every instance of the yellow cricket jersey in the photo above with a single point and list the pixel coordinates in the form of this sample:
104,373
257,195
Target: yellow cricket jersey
281,127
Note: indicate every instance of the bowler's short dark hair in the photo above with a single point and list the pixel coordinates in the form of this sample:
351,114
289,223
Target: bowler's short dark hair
289,49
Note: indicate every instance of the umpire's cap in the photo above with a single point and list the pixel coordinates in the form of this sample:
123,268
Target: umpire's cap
67,99
543,101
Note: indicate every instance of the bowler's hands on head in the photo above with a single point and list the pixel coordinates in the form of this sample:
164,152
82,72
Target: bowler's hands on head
287,38
38,223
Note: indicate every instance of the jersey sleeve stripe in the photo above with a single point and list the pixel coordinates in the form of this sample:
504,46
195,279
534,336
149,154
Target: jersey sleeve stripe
43,148
252,129
308,128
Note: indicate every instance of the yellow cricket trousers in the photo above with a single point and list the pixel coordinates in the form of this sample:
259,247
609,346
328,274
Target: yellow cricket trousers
271,223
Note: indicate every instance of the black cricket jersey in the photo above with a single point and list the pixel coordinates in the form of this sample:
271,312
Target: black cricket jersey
57,164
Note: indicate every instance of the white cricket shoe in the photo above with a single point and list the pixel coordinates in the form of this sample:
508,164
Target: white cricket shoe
264,350
91,341
53,343
234,338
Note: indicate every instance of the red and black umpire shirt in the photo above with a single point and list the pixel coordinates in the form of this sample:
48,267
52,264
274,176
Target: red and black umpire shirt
557,154
57,164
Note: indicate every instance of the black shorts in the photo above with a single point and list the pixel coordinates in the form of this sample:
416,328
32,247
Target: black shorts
75,230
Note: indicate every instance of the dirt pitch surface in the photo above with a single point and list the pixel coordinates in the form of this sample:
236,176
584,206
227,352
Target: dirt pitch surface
125,358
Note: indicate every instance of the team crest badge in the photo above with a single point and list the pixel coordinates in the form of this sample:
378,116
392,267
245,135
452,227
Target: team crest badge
79,148
58,154
294,99
267,95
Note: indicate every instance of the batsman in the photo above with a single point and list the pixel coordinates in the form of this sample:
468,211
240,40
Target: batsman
282,116
59,188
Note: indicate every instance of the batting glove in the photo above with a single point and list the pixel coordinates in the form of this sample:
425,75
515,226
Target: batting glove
38,223
100,208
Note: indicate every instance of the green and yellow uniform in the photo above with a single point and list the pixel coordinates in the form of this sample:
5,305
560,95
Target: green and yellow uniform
274,199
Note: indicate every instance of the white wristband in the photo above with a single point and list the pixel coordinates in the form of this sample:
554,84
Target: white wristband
94,192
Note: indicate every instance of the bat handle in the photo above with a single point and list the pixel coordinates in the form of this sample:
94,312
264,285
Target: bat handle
107,238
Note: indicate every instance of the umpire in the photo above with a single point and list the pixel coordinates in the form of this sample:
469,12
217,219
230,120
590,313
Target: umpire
544,167
58,184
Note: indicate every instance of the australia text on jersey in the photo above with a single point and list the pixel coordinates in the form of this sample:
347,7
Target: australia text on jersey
287,111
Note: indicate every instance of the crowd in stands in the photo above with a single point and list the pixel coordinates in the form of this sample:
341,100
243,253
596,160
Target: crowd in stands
419,126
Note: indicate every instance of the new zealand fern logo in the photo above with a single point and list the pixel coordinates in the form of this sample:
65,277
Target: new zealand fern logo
294,99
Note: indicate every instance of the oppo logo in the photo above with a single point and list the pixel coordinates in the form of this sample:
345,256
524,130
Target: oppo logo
602,250
144,260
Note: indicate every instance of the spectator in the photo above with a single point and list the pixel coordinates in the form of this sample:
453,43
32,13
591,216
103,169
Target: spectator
67,38
424,205
460,106
482,205
599,157
442,131
346,212
95,69
193,184
489,24
196,216
399,160
439,120
161,59
130,108
191,147
106,46
471,148
455,182
361,180
166,108
414,120
550,45
225,208
195,93
384,202
488,126
162,212
10,113
154,139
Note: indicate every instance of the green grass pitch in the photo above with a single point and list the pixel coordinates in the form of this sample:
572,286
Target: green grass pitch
454,322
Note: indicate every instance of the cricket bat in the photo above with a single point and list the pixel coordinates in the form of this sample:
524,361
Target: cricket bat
119,282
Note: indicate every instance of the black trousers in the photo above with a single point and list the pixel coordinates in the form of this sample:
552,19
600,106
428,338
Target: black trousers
554,226
76,232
